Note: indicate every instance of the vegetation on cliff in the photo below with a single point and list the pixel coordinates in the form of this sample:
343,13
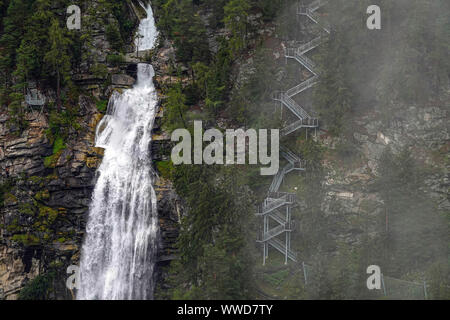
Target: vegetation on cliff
404,230
360,70
216,239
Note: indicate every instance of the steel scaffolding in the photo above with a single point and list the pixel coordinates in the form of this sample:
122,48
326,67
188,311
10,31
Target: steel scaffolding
276,209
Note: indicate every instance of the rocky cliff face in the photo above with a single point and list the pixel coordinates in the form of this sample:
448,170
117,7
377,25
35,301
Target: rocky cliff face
47,194
423,130
45,207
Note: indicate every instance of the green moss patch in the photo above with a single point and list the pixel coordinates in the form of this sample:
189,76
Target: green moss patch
165,169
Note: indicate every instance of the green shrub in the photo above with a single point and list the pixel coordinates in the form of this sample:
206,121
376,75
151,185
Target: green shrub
38,288
102,105
9,198
27,208
42,195
114,37
193,94
165,168
26,239
58,145
50,161
5,187
115,59
99,70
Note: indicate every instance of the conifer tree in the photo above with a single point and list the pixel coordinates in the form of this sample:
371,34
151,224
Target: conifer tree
236,14
57,58
176,107
30,54
13,31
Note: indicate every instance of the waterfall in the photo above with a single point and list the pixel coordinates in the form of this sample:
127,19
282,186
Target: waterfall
147,30
118,254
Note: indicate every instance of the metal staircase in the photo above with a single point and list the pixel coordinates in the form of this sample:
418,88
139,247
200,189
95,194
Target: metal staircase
310,12
276,213
276,209
298,54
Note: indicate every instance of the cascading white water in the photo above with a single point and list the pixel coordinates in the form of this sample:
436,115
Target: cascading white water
117,258
147,31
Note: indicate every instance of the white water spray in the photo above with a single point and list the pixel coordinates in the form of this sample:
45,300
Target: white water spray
118,254
147,33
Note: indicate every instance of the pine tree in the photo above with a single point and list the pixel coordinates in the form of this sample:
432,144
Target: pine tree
58,58
13,31
214,261
236,20
176,107
30,54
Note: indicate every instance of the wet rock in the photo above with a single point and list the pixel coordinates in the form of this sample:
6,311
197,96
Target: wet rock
122,80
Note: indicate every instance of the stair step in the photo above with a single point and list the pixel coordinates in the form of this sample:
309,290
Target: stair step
278,217
272,233
278,245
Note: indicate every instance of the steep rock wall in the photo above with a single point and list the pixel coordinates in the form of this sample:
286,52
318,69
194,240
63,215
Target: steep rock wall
43,217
